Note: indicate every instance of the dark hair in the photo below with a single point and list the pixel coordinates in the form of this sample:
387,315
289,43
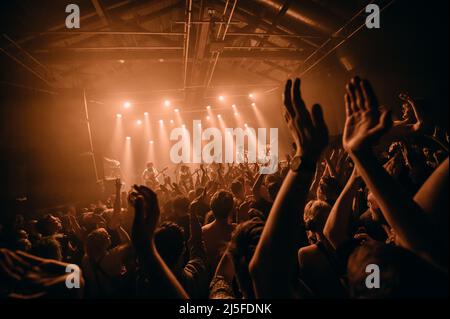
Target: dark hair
169,241
99,210
273,189
47,225
403,274
222,204
48,247
236,187
243,244
331,182
97,242
329,189
181,203
316,215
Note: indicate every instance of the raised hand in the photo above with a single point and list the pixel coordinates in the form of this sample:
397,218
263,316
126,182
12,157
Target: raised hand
415,121
310,135
176,188
394,165
195,227
146,216
309,131
405,97
201,198
366,122
115,220
118,185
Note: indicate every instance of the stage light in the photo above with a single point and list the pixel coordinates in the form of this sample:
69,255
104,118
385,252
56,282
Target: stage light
208,107
146,114
219,116
121,61
253,104
251,95
233,106
161,60
127,162
177,110
183,126
167,103
199,124
221,98
127,105
138,122
118,135
151,142
246,125
171,121
236,113
208,117
161,122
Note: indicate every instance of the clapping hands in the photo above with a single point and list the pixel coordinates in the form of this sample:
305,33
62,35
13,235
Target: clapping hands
309,131
366,121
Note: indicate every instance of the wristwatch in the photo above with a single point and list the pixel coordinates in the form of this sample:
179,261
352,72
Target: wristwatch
299,163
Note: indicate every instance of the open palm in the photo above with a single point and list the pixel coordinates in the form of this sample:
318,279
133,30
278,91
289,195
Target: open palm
365,121
308,129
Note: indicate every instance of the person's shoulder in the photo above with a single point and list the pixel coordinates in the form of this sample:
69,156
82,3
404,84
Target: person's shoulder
308,252
206,227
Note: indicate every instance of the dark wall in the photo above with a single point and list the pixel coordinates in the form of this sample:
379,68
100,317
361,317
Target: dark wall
42,140
409,53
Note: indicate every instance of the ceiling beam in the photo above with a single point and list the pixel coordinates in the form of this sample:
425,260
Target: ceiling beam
101,12
65,56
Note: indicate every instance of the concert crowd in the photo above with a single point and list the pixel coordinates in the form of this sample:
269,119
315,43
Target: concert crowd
373,198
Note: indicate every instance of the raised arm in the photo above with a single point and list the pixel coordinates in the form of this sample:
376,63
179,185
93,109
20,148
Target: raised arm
337,227
432,197
116,219
366,123
78,231
274,265
418,113
204,179
163,283
117,203
256,188
409,126
196,242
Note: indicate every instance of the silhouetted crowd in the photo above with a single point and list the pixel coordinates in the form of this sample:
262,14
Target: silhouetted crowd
364,215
